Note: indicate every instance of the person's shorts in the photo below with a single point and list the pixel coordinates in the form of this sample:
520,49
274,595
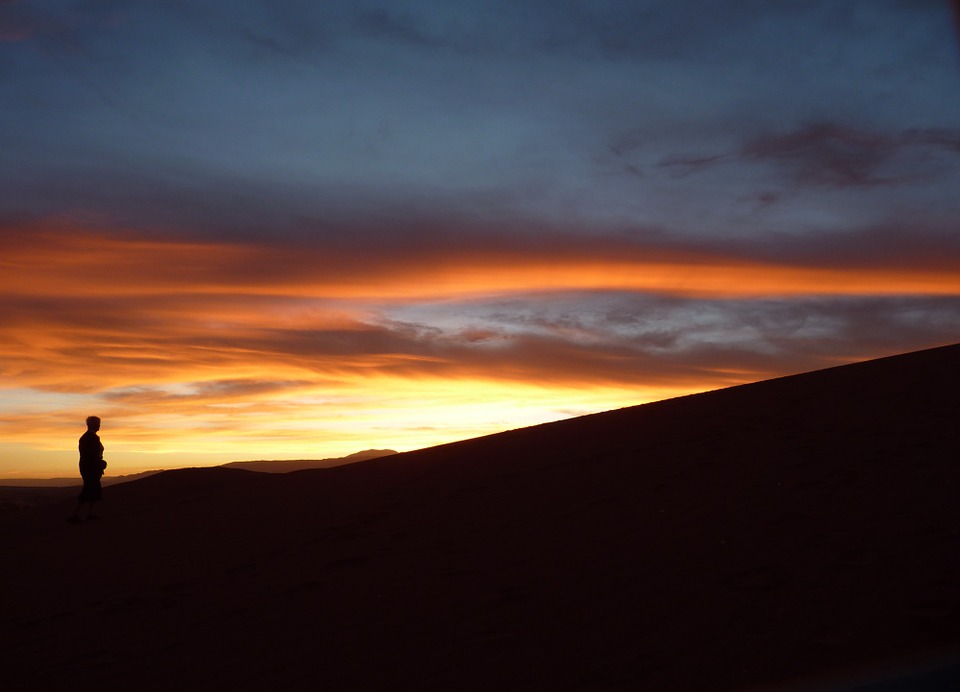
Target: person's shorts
92,490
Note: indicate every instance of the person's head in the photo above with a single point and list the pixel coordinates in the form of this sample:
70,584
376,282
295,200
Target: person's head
93,423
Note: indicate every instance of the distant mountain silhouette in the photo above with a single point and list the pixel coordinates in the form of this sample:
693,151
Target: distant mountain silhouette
285,466
70,482
260,466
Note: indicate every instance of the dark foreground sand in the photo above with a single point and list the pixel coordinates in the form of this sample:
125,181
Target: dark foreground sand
801,533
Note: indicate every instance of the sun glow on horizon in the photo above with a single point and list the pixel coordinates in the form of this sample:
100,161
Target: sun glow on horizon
211,352
400,417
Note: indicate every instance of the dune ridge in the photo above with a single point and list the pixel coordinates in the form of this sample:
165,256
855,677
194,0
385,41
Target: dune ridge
781,533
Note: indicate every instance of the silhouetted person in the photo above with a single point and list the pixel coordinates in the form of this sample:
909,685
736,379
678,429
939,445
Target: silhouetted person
91,469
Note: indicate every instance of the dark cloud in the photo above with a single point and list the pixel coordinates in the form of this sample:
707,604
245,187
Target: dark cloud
838,156
645,340
606,338
680,166
384,22
923,244
833,155
250,118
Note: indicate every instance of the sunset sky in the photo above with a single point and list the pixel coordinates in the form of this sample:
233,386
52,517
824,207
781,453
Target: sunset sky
288,229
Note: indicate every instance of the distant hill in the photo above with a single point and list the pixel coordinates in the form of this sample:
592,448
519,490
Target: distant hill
70,482
259,466
286,466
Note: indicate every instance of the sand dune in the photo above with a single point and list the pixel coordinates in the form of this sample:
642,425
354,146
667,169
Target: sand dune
802,531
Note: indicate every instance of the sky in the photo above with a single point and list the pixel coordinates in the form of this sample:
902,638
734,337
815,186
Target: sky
287,229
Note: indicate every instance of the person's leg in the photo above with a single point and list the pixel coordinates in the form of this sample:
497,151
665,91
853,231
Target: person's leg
93,493
86,493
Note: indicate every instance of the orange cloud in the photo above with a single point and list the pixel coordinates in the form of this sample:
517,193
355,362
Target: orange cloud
62,261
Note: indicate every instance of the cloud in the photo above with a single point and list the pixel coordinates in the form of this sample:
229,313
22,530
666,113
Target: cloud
641,338
279,364
152,312
254,118
221,393
836,156
236,211
378,263
828,154
391,24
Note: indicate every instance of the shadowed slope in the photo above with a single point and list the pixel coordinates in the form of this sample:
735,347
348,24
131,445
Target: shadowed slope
742,537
